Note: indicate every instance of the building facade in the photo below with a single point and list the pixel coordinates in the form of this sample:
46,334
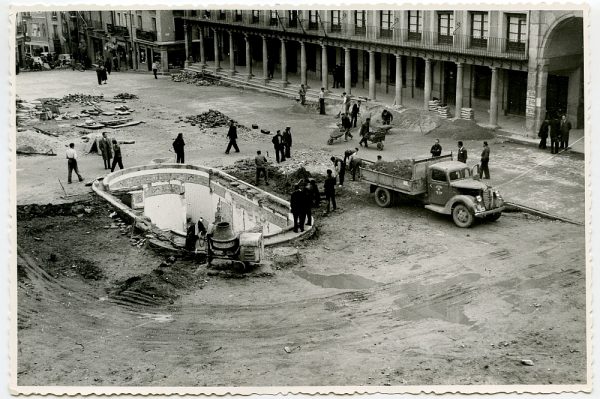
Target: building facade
42,31
518,64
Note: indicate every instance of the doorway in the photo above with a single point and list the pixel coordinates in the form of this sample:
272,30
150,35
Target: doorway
449,95
556,94
516,92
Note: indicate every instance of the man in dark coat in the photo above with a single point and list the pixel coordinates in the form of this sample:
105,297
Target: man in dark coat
178,147
485,159
117,160
329,188
322,101
436,149
298,207
347,125
354,113
106,150
277,141
462,153
232,135
287,141
554,135
565,128
543,134
340,168
364,133
190,235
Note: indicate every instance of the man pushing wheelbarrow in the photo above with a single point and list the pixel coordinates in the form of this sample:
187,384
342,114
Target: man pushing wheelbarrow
377,137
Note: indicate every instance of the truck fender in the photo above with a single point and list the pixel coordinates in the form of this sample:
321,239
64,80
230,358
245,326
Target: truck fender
465,199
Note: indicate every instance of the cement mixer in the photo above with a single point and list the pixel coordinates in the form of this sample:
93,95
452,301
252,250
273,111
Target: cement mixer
245,248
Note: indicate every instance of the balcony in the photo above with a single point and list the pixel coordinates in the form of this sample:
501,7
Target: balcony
116,30
146,35
447,40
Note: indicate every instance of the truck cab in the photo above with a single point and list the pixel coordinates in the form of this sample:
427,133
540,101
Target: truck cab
453,190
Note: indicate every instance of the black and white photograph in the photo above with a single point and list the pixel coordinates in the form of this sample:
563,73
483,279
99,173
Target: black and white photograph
337,200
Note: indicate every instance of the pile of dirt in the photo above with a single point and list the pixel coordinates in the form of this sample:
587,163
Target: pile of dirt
31,142
400,167
34,211
125,96
307,108
462,129
195,78
212,119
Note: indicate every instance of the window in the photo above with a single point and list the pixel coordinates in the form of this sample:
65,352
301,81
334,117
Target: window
438,175
35,30
479,29
293,19
385,23
222,14
273,18
517,32
206,14
54,15
119,18
139,22
238,15
415,25
360,27
482,77
313,22
459,174
336,23
55,31
153,21
255,16
445,27
179,29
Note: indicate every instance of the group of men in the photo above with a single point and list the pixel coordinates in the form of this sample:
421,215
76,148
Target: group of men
282,144
558,129
109,150
462,155
306,196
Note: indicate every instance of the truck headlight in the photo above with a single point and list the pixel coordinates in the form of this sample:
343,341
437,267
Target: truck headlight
478,198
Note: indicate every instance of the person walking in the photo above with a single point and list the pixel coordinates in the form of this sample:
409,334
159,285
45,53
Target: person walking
277,141
106,150
485,159
354,113
298,205
555,138
117,160
346,125
108,65
543,134
72,163
340,169
436,149
313,199
462,153
329,189
287,141
302,94
346,103
261,167
155,67
322,101
232,135
565,129
178,147
99,73
364,133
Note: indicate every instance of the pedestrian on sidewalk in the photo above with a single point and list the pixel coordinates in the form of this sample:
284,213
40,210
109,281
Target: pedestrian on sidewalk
340,169
261,167
106,150
287,141
543,134
364,133
436,149
462,153
155,67
485,159
278,145
555,138
302,94
72,163
565,128
298,207
354,113
232,135
322,101
329,188
178,147
117,160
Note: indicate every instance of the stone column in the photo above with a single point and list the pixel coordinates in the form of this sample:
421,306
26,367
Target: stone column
324,68
494,98
398,98
347,71
248,58
284,81
164,60
427,89
202,54
265,59
217,51
303,64
459,88
231,55
372,94
188,40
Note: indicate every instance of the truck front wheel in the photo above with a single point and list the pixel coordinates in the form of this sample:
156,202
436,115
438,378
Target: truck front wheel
462,216
383,197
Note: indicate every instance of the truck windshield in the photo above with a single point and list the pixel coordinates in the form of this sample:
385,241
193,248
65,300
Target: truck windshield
459,174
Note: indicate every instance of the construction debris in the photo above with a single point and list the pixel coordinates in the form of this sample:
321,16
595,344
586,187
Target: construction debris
211,119
400,167
195,78
126,96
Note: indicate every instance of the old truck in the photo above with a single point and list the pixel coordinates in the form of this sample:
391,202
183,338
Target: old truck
442,185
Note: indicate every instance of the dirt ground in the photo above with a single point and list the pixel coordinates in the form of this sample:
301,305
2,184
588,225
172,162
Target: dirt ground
394,296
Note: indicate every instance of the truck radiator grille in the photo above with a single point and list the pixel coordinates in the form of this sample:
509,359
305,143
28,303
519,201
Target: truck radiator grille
488,200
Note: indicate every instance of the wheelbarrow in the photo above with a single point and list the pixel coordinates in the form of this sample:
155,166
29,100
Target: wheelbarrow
377,137
336,134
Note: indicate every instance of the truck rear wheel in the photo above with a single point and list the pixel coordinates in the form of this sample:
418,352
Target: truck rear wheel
462,216
383,197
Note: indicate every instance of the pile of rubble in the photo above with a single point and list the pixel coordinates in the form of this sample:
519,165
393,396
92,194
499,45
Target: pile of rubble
85,99
195,78
400,167
126,96
211,119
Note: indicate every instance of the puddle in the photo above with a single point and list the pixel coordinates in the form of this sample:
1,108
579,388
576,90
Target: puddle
453,313
341,281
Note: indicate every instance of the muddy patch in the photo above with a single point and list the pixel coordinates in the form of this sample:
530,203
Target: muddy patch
340,281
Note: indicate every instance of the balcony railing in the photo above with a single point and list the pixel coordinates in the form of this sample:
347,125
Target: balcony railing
149,36
427,40
117,30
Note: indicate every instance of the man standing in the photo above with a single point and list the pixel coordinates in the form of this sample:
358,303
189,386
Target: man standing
178,147
232,135
117,160
297,205
302,94
364,133
329,188
436,149
72,162
155,69
346,125
287,141
261,167
354,113
346,103
543,134
190,235
322,101
462,153
354,163
277,141
106,150
565,128
555,138
340,169
485,159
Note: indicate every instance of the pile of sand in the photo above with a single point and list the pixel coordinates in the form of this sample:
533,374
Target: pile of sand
462,129
32,142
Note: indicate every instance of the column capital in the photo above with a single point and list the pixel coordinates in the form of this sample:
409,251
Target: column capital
494,68
398,56
427,60
323,45
459,64
246,37
283,40
302,44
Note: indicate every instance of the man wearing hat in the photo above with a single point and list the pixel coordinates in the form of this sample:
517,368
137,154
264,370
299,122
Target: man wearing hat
287,141
106,149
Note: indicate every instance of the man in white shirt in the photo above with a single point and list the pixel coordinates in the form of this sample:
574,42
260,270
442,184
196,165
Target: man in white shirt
72,162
